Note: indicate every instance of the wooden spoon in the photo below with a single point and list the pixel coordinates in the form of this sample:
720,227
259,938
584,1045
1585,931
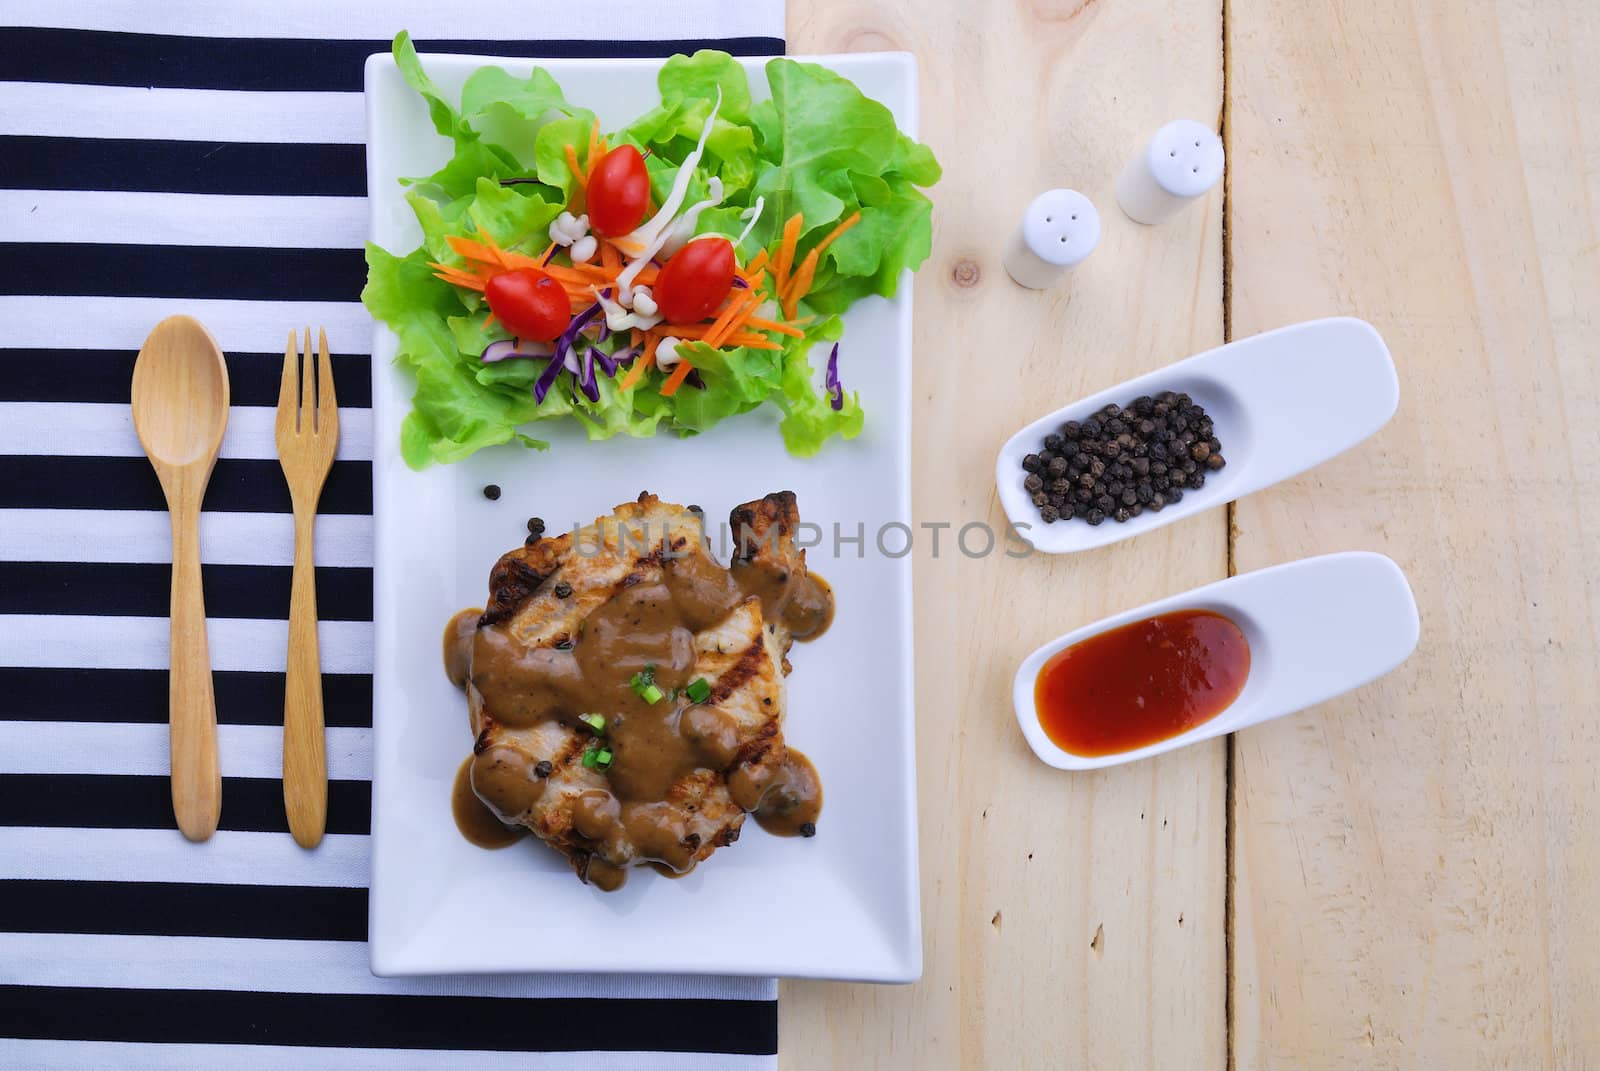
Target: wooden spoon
180,410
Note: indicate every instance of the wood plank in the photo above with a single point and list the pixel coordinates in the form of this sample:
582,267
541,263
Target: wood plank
1068,920
1416,864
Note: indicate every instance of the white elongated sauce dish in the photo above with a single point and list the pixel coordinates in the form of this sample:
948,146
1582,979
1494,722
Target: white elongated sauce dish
1317,628
1282,402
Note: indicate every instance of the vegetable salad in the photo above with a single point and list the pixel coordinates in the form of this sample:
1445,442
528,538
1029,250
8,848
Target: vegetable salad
667,275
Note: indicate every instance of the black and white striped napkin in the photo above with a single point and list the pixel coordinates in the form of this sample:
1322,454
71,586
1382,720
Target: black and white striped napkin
192,156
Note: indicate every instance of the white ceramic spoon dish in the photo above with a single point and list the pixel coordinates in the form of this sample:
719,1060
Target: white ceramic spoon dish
1317,628
1282,402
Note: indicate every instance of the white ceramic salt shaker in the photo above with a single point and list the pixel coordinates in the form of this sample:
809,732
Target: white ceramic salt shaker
1058,230
1176,168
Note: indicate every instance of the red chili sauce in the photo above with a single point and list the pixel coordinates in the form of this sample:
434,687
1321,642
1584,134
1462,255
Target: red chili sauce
1141,683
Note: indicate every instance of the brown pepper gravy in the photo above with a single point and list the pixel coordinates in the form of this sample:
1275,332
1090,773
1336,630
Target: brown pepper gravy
477,822
648,626
458,636
790,806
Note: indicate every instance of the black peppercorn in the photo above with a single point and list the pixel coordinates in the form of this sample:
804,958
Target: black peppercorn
563,589
536,526
1049,514
808,829
492,492
1121,460
544,768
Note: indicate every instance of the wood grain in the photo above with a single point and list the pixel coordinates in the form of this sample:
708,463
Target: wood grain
1416,864
1068,920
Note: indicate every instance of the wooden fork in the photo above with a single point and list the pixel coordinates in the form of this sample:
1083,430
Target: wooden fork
307,433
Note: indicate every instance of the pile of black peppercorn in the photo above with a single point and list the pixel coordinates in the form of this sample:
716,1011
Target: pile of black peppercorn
1124,460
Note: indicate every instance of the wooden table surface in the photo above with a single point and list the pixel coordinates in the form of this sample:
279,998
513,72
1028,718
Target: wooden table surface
1407,876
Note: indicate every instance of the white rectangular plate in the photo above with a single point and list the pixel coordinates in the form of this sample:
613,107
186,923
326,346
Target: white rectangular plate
843,904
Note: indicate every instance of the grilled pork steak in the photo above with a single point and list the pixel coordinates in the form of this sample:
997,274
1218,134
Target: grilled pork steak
626,691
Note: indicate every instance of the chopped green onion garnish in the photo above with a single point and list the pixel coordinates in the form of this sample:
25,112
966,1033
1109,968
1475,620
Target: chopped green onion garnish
602,757
597,722
590,757
698,690
643,684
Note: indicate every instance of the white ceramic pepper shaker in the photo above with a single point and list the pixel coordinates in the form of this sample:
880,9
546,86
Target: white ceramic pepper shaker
1058,230
1176,168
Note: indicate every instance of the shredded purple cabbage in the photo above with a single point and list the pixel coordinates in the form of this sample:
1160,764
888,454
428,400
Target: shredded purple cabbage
740,284
610,362
558,360
830,380
507,348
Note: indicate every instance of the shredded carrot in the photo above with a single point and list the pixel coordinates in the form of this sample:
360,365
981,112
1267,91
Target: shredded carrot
575,167
801,283
772,325
457,277
690,331
756,262
741,319
752,342
785,259
648,276
561,273
488,253
471,250
634,336
636,373
730,317
610,259
594,148
674,381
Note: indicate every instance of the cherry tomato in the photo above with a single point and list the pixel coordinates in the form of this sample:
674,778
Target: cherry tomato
695,280
619,192
530,304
